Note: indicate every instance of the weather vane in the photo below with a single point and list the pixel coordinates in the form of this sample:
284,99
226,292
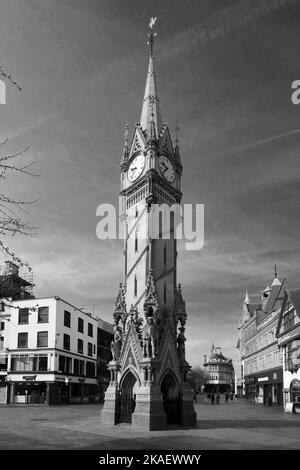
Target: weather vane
152,22
151,35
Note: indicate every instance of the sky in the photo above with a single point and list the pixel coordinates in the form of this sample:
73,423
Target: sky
224,72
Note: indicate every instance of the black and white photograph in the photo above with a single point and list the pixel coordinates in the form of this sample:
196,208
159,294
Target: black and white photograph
149,229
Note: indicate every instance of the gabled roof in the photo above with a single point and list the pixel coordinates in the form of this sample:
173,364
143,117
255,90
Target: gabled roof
292,296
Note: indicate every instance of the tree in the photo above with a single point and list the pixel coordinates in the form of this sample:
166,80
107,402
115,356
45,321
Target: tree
197,377
12,210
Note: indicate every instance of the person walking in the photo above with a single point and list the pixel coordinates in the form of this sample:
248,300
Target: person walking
194,396
208,397
231,397
217,398
270,399
226,397
212,398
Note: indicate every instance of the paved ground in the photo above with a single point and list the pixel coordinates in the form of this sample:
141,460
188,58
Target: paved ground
239,425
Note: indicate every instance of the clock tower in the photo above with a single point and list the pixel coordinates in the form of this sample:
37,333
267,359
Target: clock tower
149,370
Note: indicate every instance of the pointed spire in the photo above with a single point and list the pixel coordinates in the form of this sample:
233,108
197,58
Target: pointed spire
247,300
212,347
151,114
125,154
276,281
176,150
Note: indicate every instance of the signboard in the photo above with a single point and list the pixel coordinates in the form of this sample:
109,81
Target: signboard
262,379
289,407
29,378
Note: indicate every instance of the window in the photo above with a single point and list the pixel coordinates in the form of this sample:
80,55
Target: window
2,325
165,253
66,342
67,319
90,330
68,365
80,325
42,339
90,349
136,213
80,346
90,369
135,286
81,367
165,293
22,340
65,364
23,316
61,363
43,315
136,243
76,367
25,363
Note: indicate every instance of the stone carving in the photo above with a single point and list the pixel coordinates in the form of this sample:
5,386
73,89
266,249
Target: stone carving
181,339
179,308
120,312
116,344
150,338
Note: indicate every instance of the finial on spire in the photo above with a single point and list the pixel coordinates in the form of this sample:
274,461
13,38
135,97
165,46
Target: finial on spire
275,269
151,35
126,131
246,301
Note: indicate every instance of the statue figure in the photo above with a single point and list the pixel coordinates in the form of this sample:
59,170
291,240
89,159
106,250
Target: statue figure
116,344
181,339
150,338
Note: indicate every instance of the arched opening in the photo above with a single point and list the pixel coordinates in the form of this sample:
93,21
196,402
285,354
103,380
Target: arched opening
127,398
295,390
171,398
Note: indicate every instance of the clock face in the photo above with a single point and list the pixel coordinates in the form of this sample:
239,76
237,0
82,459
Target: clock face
136,167
166,168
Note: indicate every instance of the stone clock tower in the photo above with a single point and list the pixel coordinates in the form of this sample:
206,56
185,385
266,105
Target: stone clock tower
149,370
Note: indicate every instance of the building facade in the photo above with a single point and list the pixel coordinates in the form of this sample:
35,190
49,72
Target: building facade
261,360
105,337
220,371
48,351
288,334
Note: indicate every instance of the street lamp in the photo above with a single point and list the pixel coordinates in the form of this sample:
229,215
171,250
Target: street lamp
67,380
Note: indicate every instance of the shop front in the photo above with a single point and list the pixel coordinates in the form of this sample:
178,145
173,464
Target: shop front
267,387
250,387
50,389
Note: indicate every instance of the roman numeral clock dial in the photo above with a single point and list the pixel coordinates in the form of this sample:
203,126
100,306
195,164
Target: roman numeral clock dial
136,167
166,168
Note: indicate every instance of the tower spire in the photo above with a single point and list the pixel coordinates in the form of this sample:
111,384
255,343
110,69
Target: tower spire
151,114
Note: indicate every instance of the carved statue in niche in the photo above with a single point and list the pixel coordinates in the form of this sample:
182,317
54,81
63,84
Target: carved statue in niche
116,344
150,338
181,339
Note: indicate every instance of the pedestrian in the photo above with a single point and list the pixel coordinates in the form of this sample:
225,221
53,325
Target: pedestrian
226,397
256,399
231,397
217,398
194,396
212,398
270,399
208,397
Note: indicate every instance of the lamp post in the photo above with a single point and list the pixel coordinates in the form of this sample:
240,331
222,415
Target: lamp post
67,380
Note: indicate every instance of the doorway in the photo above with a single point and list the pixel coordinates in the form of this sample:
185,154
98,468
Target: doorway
171,398
127,398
